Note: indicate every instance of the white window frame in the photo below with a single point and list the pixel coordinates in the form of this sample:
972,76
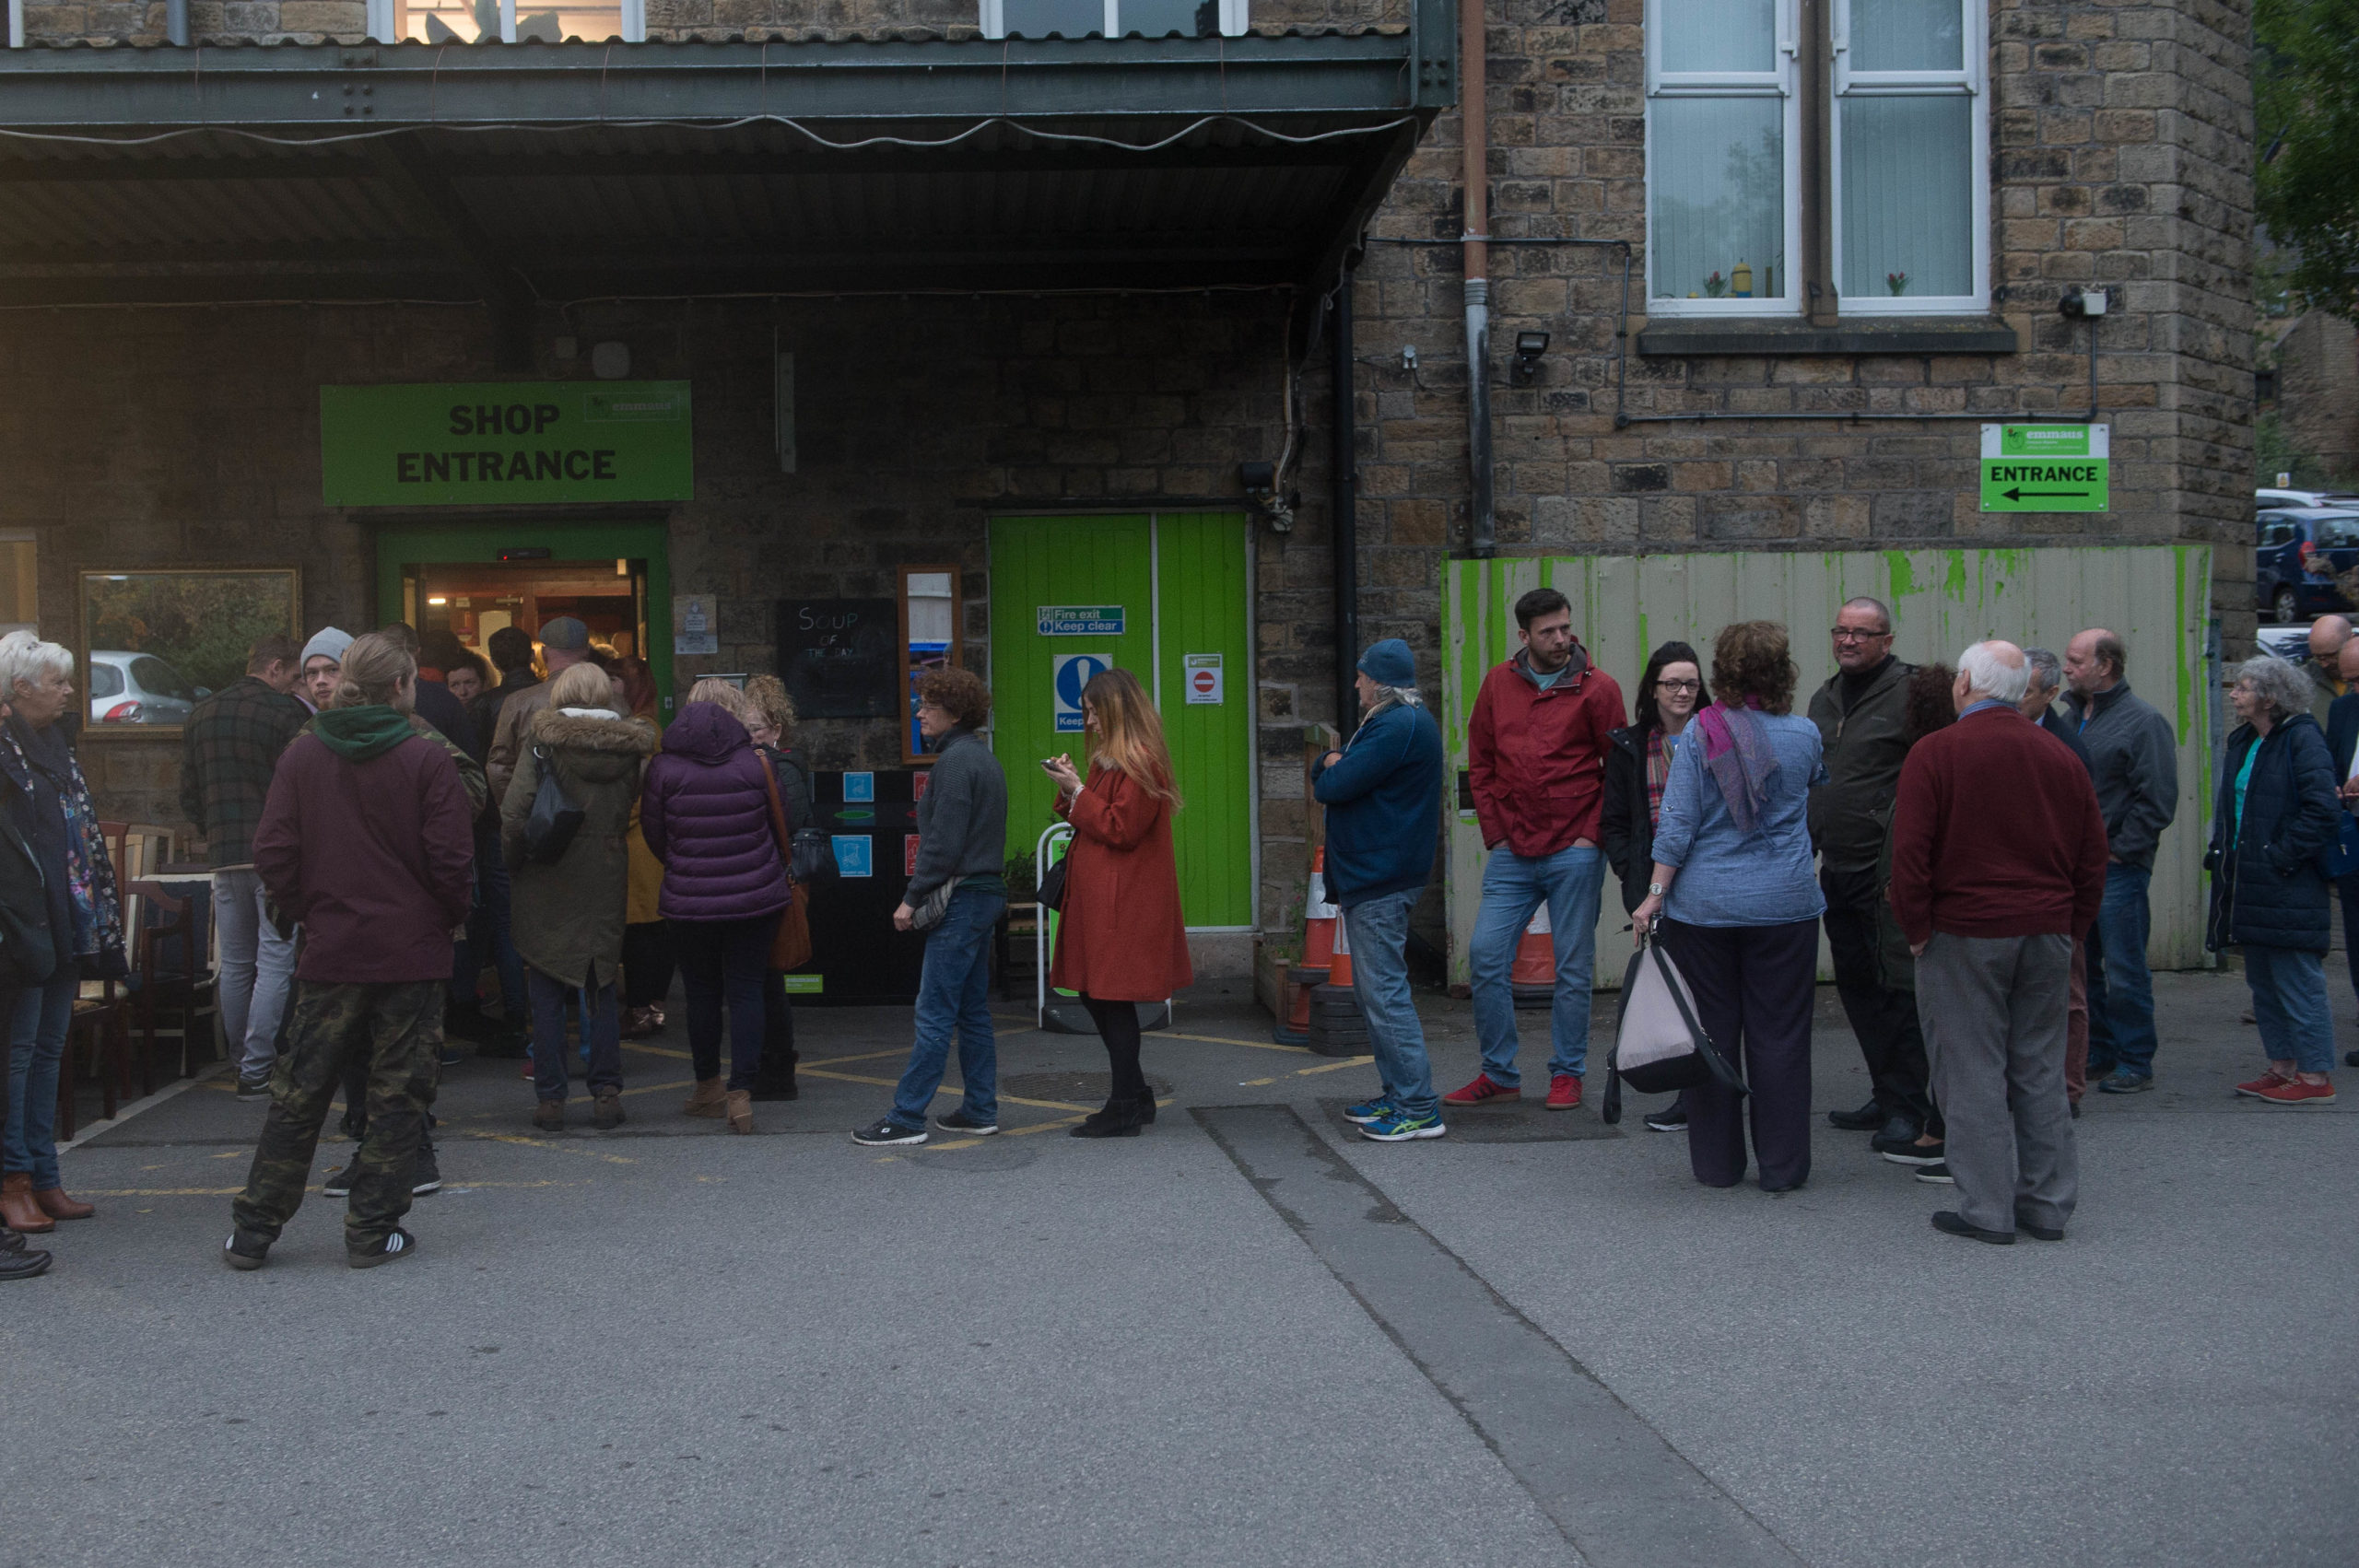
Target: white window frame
1233,17
380,20
1781,82
1871,299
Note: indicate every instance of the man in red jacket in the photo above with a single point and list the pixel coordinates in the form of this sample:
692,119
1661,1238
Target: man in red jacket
1998,862
366,839
1536,753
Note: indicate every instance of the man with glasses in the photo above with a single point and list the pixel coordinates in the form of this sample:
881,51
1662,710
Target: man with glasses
1860,712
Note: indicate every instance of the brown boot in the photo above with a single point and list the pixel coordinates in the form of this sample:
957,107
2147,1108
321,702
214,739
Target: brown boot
57,1206
741,1111
706,1100
549,1116
17,1209
607,1112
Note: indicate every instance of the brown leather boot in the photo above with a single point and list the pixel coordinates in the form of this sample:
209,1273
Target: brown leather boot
741,1111
606,1111
17,1209
57,1206
708,1100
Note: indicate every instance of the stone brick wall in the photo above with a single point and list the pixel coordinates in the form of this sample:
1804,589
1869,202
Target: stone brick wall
2317,391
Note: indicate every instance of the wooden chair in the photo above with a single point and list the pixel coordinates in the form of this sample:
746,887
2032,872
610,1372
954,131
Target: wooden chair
98,1037
172,969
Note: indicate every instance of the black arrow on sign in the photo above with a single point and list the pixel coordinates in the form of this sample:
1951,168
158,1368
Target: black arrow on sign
2018,494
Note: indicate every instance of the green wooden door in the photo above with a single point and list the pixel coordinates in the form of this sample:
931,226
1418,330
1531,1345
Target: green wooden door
1193,567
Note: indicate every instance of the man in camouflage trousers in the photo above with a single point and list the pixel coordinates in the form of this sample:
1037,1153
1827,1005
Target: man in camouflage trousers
367,840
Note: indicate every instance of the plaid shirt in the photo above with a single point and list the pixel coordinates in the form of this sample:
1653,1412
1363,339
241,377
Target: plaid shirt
229,751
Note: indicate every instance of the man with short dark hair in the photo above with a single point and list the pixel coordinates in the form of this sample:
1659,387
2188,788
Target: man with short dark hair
435,703
511,655
228,750
1861,711
1536,753
565,642
2134,759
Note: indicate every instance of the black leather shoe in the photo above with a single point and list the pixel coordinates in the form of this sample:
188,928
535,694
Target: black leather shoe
1900,1133
2037,1233
23,1264
1949,1222
2350,1059
11,1241
1867,1118
1119,1118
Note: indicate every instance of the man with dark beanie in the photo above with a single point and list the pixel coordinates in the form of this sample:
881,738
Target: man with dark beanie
365,839
1382,792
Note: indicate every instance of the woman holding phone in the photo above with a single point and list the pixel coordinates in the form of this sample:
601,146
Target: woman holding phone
1121,940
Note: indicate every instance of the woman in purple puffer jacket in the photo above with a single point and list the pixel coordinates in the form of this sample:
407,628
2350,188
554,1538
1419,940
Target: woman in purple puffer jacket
705,811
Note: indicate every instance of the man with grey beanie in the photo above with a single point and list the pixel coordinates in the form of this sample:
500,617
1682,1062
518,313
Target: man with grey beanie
1382,792
565,642
322,663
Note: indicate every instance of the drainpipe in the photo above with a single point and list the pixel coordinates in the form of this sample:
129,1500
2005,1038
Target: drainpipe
1344,503
176,22
1474,112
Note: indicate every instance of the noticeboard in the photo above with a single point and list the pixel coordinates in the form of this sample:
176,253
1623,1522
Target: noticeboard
2046,468
840,658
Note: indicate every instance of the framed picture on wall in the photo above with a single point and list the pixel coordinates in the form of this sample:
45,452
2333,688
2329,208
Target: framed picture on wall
929,603
154,642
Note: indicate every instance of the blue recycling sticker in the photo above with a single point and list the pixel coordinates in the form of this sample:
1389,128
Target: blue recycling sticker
855,854
860,787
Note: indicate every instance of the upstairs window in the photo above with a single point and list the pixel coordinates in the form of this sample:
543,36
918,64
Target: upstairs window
1721,134
1911,184
505,21
1112,18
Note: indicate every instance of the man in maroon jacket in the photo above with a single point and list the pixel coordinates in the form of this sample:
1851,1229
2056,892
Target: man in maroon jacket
366,839
1536,753
1998,862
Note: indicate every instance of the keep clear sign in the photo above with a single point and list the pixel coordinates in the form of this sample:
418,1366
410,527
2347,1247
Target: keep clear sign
1070,673
2046,468
1081,620
1202,674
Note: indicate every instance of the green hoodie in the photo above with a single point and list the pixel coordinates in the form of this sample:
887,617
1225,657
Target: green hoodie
357,734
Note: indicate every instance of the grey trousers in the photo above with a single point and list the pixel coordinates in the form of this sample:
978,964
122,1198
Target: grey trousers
1993,1009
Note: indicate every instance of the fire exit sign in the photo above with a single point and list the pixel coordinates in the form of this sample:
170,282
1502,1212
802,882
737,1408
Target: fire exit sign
2046,468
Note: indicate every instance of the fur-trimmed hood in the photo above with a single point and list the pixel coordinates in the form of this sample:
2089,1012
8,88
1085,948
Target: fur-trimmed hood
594,750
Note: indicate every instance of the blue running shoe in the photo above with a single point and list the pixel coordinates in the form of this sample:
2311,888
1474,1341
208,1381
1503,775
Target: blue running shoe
1370,1110
1400,1127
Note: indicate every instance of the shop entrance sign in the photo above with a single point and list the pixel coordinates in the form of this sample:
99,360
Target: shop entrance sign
1070,673
2046,468
479,443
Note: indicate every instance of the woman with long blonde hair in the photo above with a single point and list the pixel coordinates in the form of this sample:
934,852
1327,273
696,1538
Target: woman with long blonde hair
1121,938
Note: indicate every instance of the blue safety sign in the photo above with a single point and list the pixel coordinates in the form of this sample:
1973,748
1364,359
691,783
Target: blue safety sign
1074,671
855,854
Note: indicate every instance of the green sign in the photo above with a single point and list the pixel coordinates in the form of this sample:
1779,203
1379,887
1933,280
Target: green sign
475,443
2046,468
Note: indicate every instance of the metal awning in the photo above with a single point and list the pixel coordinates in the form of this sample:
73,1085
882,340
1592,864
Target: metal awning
516,173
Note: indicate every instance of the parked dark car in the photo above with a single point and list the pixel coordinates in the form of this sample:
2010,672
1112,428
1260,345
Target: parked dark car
2298,554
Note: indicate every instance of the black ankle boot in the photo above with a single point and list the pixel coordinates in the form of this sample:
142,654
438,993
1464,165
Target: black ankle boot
1119,1118
1146,1106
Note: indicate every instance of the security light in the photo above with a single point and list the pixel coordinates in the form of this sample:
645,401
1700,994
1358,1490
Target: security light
1528,347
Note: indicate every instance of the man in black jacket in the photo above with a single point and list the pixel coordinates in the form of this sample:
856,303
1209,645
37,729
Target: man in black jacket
1860,712
27,957
2045,687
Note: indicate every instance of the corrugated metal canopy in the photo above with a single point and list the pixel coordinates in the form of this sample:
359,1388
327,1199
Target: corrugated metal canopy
361,172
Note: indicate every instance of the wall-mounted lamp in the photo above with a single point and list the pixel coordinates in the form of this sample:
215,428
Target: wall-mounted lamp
1261,483
2080,303
1528,347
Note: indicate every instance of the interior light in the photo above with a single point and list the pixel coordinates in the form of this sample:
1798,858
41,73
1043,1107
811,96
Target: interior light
436,599
622,566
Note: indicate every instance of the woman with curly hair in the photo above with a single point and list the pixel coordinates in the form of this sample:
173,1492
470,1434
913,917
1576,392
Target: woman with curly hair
1739,903
772,728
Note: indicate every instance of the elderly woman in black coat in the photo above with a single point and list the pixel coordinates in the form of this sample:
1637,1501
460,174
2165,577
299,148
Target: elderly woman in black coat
2273,822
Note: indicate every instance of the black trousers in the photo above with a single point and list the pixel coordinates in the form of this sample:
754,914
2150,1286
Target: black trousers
1117,1026
647,963
1752,989
1884,1021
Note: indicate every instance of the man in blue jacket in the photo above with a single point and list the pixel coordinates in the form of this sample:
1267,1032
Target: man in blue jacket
1382,792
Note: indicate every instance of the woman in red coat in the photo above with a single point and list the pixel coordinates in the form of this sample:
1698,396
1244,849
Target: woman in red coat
1119,937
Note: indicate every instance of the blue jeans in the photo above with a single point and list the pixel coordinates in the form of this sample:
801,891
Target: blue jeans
953,992
601,1036
36,1045
1513,886
1379,929
2289,1003
2121,989
487,927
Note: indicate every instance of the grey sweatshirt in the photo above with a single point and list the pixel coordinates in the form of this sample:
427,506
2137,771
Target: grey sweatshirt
962,821
2134,759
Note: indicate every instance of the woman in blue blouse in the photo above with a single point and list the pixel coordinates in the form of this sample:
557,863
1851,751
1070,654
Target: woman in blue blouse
1739,904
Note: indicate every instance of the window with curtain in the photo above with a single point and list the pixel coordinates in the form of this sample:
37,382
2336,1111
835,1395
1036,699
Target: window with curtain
1909,186
1112,18
1720,133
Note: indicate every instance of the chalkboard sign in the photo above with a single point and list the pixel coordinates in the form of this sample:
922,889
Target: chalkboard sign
842,658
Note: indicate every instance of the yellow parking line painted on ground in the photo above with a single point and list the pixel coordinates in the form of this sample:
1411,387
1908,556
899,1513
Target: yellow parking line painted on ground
946,1088
1332,1065
313,1190
867,1056
673,1087
1226,1040
546,1142
656,1050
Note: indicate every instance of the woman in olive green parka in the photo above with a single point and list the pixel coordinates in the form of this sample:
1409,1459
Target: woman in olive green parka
568,916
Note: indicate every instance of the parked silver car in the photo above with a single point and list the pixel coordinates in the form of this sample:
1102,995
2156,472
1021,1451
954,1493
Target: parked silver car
139,689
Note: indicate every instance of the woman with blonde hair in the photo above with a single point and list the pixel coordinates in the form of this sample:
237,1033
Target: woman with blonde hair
1121,938
772,728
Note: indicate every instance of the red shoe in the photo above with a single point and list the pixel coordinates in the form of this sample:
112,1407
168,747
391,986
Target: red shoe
2268,1080
1565,1092
2293,1091
1482,1092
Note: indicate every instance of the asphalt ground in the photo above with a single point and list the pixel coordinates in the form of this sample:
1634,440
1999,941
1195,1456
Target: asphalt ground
1247,1337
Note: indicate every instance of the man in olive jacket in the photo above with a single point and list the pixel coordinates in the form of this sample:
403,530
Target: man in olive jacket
1859,713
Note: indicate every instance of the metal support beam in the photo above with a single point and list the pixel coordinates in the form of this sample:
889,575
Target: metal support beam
403,166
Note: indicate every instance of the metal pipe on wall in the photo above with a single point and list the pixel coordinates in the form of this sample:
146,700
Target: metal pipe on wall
1344,493
1474,114
176,22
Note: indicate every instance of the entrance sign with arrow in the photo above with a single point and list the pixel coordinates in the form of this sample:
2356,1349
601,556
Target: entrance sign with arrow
2046,468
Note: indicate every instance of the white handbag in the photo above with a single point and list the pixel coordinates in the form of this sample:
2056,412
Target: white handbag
1659,1045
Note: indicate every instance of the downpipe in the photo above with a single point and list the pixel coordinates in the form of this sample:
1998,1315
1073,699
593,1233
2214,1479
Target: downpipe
1482,524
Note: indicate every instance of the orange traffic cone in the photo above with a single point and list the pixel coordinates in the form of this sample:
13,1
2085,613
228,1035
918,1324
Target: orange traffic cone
1532,978
1339,965
1317,917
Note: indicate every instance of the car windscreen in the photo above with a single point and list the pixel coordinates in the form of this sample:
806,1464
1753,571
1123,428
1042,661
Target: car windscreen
158,679
105,680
